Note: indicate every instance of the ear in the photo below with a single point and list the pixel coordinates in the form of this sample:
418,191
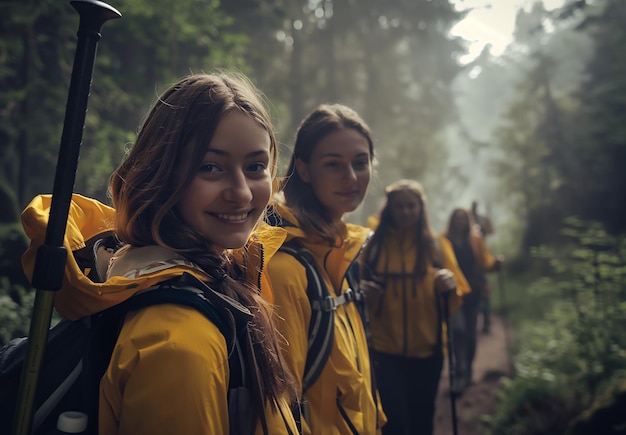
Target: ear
302,168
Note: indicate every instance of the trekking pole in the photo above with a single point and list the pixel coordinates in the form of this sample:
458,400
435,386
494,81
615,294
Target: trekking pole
505,326
52,255
451,365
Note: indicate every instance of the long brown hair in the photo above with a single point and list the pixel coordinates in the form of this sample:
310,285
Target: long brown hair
299,196
463,235
426,245
148,184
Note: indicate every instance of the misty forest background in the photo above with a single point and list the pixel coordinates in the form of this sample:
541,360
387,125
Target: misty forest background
537,135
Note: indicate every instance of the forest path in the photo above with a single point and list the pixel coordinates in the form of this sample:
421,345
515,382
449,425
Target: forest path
490,365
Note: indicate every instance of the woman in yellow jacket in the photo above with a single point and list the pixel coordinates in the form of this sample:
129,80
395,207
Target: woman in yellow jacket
407,272
187,198
474,260
329,173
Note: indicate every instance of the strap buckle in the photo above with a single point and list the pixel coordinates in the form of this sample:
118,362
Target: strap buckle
330,303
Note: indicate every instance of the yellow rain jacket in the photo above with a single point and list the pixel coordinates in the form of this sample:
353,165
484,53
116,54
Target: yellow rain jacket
341,400
405,319
164,352
484,259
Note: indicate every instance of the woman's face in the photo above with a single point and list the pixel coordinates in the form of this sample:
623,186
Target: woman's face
405,208
339,171
459,222
233,184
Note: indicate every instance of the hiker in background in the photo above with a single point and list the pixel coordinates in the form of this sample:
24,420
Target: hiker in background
328,176
405,273
474,260
187,197
486,228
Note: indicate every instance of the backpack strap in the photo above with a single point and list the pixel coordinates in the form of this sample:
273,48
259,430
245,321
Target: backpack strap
227,314
323,305
322,326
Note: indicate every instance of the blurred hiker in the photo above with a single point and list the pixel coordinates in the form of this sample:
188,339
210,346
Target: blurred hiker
486,228
405,273
474,259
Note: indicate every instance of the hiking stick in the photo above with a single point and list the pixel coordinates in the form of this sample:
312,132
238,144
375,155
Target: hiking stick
451,366
505,326
52,255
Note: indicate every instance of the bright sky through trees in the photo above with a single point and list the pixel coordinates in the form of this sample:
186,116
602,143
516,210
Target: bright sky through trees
491,22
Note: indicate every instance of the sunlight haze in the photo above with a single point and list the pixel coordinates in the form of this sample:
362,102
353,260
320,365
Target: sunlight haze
491,22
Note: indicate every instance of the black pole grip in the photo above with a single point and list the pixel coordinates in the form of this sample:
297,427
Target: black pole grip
51,257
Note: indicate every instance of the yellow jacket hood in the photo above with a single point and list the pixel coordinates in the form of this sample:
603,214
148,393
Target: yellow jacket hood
354,236
136,269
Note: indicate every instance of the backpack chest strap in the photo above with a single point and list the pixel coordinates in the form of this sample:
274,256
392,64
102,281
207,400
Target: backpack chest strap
331,303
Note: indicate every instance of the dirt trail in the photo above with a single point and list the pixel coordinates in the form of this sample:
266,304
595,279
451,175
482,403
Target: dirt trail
479,399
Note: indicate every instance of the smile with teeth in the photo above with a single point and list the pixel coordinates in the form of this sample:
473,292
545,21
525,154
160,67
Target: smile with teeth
232,217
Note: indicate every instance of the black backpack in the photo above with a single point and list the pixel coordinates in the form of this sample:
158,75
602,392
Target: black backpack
78,352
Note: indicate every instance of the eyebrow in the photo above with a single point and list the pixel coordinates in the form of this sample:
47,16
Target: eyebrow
341,155
227,154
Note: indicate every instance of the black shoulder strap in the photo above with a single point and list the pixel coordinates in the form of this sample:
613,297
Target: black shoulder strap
182,291
169,295
321,326
323,306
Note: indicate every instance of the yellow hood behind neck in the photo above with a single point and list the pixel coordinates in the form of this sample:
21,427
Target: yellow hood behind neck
354,236
88,218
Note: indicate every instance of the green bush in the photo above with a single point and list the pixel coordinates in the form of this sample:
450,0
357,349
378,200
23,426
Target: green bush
16,304
576,352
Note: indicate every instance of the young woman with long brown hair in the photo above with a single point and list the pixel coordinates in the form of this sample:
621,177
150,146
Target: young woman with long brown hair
328,176
187,198
408,272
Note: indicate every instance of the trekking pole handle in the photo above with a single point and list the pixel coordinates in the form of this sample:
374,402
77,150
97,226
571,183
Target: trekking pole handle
52,255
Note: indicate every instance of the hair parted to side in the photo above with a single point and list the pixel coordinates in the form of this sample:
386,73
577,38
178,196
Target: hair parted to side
299,196
426,245
148,184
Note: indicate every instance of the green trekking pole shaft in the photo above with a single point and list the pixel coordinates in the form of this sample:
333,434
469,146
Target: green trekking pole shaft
451,365
52,255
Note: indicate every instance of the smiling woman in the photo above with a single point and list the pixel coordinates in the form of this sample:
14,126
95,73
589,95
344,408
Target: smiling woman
232,186
187,197
328,176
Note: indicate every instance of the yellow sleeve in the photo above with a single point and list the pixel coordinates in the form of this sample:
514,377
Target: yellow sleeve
168,374
292,309
485,259
450,263
372,222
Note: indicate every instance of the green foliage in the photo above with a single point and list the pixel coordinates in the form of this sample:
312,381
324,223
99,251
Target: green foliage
603,99
154,44
606,416
8,211
16,303
13,243
578,348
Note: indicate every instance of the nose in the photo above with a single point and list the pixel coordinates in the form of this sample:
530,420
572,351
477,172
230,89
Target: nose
238,189
350,173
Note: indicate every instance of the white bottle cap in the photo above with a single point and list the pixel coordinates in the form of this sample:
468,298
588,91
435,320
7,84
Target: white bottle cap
72,422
